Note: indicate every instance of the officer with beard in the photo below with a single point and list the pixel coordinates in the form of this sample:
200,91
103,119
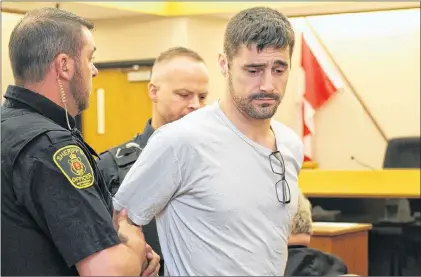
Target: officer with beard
56,211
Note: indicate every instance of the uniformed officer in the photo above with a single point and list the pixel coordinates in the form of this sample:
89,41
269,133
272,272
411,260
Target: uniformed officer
56,209
179,85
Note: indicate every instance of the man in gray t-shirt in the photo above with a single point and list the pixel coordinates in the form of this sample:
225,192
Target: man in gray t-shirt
223,181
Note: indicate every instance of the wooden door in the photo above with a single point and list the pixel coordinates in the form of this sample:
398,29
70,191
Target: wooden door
118,110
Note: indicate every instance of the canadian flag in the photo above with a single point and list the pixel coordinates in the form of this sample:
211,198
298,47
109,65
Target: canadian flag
319,83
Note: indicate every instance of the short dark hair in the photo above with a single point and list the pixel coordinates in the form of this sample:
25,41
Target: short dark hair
39,37
260,26
178,51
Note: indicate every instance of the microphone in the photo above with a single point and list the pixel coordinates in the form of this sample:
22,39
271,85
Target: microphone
362,164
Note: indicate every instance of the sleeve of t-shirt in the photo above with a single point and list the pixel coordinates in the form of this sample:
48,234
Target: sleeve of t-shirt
152,181
300,155
65,194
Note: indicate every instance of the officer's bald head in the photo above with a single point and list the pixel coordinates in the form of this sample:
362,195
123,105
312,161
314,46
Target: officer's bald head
174,59
179,84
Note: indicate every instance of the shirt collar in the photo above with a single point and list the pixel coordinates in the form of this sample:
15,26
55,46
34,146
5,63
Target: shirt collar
20,97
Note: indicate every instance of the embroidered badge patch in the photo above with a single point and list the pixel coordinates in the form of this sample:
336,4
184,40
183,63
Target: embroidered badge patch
73,163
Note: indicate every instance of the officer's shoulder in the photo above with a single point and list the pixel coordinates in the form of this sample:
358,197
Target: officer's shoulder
52,148
107,157
111,151
29,134
51,140
28,129
59,150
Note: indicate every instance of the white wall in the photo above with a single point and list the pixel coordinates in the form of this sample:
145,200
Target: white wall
380,55
209,48
134,39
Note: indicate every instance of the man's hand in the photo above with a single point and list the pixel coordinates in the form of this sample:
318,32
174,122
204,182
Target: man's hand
131,235
116,217
153,259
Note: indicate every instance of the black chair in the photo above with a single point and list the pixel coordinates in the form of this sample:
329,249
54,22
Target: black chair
394,231
403,153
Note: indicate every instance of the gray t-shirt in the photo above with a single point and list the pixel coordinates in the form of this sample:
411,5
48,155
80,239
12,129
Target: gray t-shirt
212,191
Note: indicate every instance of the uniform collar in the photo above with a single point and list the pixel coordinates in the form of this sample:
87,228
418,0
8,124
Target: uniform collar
142,140
23,98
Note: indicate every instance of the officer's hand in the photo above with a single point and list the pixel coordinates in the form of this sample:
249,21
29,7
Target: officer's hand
132,236
153,259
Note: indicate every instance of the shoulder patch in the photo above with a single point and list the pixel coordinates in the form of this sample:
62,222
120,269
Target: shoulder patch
73,163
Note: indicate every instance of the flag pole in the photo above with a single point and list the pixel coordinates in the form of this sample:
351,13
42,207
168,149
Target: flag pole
345,79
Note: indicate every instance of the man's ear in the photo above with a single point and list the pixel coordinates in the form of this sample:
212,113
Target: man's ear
64,66
153,90
223,63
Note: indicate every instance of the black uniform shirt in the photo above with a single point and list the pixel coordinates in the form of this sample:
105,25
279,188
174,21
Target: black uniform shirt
108,165
56,209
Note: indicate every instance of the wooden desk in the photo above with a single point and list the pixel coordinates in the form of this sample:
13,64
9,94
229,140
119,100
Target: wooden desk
349,241
390,183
